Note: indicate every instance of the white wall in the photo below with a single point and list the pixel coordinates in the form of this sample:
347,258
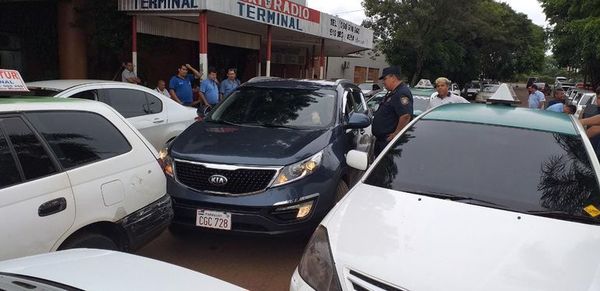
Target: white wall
367,59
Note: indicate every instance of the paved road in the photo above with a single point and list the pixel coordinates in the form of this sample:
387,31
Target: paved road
254,263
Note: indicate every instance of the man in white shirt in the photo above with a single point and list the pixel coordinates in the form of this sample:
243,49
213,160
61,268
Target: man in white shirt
443,95
128,76
161,88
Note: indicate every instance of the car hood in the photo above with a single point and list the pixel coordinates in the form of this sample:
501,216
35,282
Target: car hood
248,145
101,270
421,243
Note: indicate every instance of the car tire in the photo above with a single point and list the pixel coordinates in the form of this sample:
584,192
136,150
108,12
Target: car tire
91,241
341,190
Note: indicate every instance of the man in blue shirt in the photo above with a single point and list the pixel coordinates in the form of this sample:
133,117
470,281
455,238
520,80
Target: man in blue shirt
229,84
536,98
209,88
180,85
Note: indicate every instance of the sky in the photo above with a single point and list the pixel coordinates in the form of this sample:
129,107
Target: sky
353,11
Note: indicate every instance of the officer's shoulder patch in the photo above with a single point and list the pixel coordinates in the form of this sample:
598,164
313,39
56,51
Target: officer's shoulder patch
404,100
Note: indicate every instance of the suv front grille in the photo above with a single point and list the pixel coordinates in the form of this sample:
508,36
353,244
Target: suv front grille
239,181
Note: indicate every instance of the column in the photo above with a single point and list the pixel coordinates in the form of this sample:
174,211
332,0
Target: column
322,60
203,43
134,44
269,43
72,51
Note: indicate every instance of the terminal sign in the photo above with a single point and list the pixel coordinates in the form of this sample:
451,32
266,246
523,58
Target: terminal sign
282,13
11,81
165,4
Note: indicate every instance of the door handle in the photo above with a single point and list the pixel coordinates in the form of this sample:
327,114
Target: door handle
53,206
158,120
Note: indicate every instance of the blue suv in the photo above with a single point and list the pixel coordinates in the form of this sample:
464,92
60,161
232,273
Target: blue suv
270,159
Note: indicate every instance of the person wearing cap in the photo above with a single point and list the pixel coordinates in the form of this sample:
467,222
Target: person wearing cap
536,98
395,110
559,97
443,95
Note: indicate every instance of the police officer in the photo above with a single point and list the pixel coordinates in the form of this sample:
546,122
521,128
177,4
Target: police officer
395,110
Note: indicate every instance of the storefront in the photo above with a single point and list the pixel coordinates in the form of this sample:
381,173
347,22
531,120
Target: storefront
259,37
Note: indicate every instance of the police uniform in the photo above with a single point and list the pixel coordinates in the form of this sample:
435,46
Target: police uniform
395,104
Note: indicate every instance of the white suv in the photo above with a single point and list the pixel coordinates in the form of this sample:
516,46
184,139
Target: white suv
75,173
156,116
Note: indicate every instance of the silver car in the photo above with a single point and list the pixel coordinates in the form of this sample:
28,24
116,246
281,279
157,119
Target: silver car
156,116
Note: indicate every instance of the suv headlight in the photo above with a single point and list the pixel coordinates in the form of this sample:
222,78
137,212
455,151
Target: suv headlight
165,161
316,267
299,170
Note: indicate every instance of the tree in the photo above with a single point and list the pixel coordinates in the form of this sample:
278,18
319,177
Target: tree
575,37
458,39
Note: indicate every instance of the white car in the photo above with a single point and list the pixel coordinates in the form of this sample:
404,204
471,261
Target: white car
101,270
157,117
75,173
510,202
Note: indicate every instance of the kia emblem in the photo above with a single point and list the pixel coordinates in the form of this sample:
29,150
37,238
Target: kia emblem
217,180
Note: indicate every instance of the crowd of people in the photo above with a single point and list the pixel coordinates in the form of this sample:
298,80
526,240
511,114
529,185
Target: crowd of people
187,88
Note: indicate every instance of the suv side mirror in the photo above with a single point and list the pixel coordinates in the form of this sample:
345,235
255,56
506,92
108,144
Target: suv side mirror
358,120
357,159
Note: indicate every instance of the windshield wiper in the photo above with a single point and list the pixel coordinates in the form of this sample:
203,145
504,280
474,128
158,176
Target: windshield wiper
221,121
273,125
459,198
564,216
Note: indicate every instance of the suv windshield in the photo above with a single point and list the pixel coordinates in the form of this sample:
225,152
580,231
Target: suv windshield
285,107
522,170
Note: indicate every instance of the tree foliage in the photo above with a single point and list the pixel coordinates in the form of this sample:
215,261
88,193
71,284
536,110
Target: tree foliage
575,37
460,39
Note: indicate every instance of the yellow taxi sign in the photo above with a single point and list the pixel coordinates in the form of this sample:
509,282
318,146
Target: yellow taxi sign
11,81
592,210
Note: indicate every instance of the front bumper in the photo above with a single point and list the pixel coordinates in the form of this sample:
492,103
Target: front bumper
147,223
258,213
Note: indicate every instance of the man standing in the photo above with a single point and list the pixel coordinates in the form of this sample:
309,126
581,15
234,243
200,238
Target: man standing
559,97
536,98
209,88
229,84
161,88
395,110
443,95
128,76
180,85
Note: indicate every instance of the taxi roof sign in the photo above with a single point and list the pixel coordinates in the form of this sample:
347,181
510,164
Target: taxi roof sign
11,81
503,95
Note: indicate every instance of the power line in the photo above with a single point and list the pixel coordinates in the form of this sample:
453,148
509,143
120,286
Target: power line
351,11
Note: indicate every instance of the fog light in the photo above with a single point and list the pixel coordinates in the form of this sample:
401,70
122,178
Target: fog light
294,212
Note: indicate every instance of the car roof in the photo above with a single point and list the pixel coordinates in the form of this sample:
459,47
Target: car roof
45,103
505,116
61,85
291,83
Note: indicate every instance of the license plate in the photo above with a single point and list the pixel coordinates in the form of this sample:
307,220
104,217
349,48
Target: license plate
213,219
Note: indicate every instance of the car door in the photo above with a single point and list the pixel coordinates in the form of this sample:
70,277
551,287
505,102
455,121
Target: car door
363,136
149,118
36,201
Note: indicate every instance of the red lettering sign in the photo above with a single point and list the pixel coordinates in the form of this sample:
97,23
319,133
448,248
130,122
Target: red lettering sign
289,8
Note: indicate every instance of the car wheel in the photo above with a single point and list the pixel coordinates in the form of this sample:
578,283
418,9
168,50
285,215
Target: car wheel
91,241
341,190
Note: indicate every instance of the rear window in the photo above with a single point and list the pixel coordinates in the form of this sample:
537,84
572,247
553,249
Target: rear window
79,138
519,169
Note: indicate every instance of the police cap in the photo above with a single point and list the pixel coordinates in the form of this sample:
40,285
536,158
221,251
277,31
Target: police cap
395,70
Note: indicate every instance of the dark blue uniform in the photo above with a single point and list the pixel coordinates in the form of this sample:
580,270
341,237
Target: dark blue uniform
395,104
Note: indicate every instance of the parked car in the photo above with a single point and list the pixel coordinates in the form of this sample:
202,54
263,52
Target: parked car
76,174
100,270
486,92
585,100
269,159
156,116
471,89
370,88
512,202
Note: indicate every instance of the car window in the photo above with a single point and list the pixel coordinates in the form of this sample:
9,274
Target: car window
33,158
519,169
128,102
357,96
302,107
154,104
376,87
79,138
9,173
88,94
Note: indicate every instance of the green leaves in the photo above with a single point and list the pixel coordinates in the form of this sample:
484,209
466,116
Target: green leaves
457,39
